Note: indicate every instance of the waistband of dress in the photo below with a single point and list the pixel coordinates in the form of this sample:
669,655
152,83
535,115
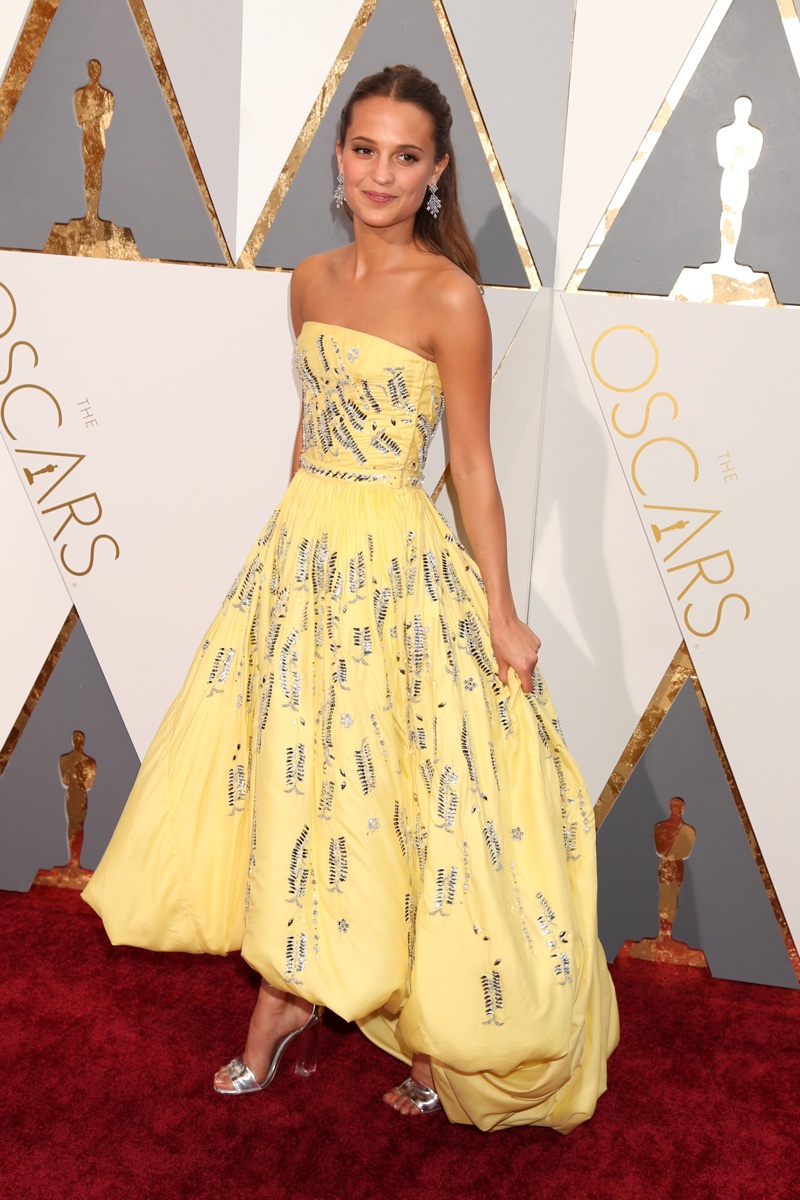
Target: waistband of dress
399,478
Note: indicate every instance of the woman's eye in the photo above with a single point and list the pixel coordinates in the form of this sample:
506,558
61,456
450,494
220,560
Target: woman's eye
409,157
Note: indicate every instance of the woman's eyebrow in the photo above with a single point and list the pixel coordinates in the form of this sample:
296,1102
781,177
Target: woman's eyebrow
359,137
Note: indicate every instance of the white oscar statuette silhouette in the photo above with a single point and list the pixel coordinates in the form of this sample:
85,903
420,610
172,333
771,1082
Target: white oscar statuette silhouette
727,281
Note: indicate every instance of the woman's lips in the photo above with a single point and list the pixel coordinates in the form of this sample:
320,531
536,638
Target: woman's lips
379,197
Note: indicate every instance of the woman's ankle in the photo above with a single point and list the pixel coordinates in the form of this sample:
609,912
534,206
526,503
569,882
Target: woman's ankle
276,996
421,1069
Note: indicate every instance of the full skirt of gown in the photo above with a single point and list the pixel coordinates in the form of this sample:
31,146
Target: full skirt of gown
346,792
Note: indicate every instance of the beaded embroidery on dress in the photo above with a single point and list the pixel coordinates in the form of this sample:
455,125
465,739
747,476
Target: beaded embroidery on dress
346,791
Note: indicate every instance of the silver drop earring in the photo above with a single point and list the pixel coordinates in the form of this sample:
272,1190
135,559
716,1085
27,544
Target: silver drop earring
338,191
434,204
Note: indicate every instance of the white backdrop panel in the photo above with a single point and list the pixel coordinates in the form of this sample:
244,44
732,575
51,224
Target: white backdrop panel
192,389
607,629
507,308
518,396
625,56
201,42
12,16
33,600
288,50
712,469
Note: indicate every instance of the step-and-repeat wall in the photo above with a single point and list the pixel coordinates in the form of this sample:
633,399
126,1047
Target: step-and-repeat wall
629,174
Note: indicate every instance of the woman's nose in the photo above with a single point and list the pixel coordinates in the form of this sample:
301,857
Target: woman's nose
382,169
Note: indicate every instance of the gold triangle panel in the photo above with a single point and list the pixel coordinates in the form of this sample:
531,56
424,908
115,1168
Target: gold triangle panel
30,41
90,235
308,222
36,691
305,137
677,673
734,105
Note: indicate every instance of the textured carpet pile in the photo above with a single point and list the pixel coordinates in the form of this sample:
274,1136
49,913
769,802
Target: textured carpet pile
108,1056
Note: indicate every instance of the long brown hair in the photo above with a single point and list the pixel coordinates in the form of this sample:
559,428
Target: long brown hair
446,234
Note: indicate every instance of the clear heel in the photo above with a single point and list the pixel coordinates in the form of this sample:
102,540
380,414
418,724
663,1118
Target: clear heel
305,1038
308,1042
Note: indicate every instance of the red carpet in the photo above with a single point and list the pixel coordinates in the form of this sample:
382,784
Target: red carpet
108,1057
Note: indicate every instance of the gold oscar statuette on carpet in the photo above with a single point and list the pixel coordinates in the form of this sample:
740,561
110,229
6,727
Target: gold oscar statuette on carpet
91,236
674,841
78,773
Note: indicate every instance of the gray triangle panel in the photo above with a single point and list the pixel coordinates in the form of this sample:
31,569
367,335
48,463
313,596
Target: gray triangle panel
548,52
723,906
33,830
148,184
671,217
519,67
308,221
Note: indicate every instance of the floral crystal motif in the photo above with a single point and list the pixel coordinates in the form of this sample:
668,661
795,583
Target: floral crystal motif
363,425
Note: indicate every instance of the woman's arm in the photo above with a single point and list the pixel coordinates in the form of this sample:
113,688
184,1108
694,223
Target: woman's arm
463,352
298,445
296,289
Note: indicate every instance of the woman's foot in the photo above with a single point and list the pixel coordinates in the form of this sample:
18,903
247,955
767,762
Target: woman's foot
276,1013
420,1073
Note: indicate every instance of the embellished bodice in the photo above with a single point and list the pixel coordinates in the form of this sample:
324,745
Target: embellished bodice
370,407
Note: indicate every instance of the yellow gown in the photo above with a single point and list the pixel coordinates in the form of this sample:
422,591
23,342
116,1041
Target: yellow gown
345,791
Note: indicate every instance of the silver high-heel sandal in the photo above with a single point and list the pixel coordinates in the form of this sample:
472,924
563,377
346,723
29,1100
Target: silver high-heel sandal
425,1098
307,1038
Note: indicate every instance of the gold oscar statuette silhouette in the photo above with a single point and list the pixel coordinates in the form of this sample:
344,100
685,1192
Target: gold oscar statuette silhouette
674,841
31,475
91,236
78,772
727,281
658,532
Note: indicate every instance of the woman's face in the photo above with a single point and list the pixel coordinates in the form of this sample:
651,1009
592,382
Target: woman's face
388,161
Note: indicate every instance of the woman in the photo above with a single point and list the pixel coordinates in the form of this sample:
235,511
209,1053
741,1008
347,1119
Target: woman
363,784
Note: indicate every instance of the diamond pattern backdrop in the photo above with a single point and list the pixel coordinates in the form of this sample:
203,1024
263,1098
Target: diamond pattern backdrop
149,406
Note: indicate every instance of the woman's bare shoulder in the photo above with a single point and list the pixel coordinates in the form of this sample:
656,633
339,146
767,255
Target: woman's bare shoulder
456,305
320,265
310,270
311,274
